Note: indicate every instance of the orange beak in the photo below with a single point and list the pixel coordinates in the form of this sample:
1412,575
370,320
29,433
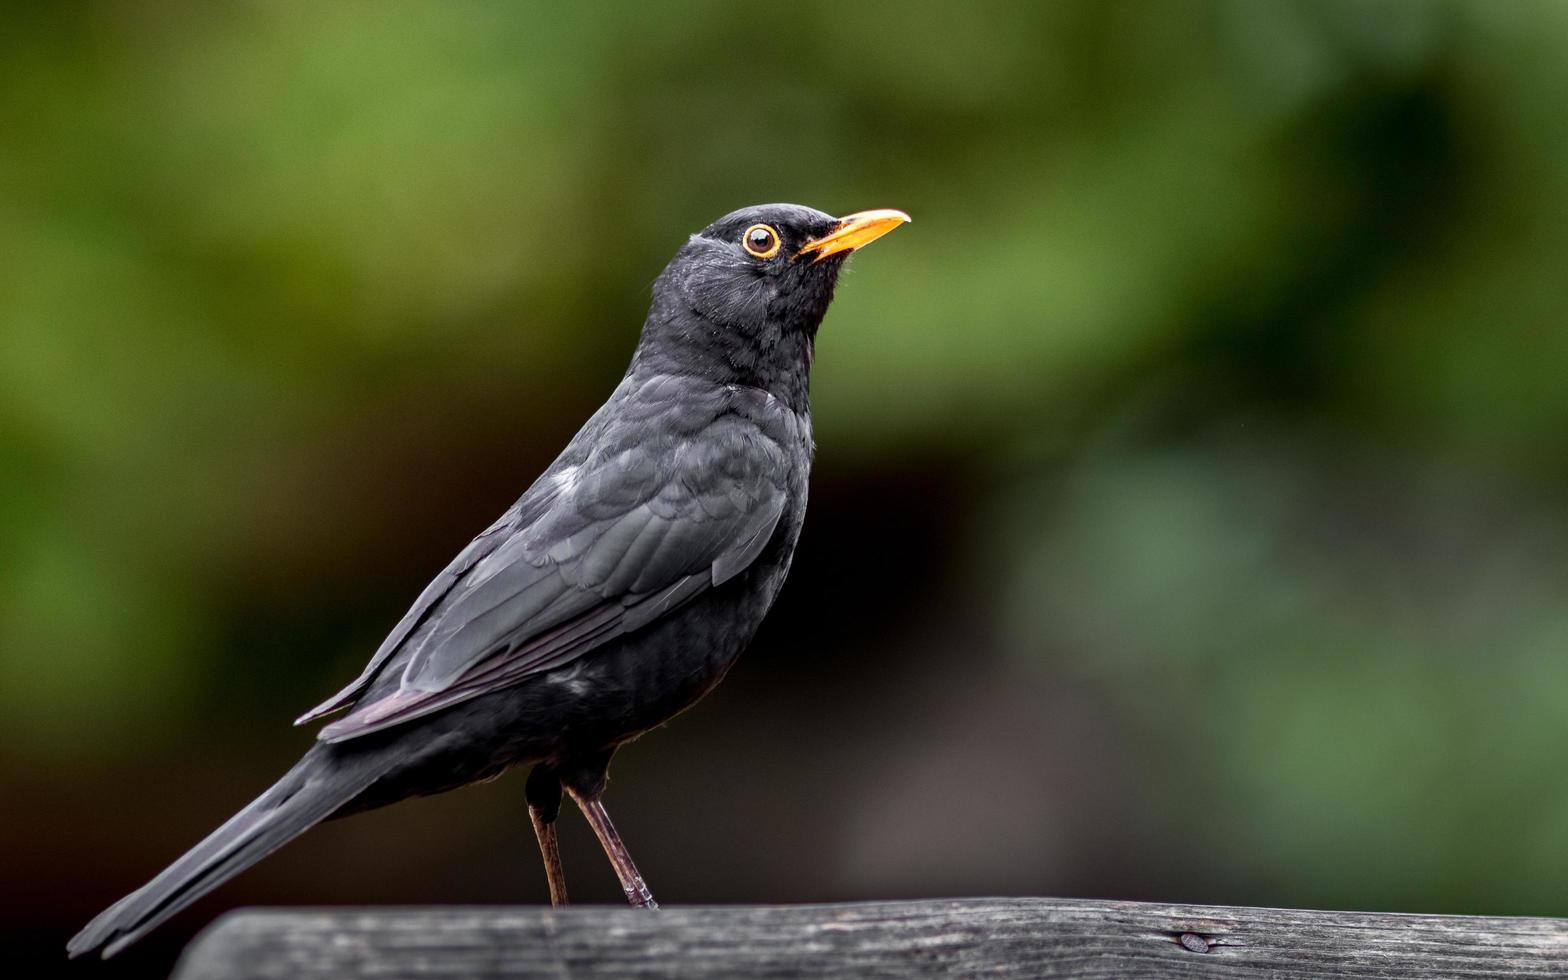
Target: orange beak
855,231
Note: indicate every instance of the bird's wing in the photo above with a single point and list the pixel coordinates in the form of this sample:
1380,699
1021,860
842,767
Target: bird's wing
628,537
487,541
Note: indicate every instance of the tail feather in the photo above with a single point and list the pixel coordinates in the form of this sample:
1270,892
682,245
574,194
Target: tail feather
305,796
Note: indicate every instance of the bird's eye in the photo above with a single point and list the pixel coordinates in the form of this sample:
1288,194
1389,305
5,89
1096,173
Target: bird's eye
761,241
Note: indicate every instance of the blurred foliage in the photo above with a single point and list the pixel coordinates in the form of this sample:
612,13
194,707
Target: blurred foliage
1234,330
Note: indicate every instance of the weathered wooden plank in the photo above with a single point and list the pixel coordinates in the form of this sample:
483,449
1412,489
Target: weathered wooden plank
1024,937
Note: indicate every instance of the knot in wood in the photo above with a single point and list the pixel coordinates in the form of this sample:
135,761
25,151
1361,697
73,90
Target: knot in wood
1193,942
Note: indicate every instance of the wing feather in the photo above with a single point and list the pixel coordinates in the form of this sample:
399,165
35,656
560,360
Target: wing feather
624,541
487,541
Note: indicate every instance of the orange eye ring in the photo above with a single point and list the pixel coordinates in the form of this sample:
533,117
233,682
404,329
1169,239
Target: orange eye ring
761,241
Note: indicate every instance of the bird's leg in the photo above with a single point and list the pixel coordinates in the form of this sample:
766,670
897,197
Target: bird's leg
636,889
585,785
544,805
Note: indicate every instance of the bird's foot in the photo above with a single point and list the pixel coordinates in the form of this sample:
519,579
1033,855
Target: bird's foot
638,895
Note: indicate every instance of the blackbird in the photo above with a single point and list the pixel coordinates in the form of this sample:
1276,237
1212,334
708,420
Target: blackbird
611,596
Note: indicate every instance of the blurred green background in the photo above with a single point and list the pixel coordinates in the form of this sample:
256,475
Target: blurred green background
1189,521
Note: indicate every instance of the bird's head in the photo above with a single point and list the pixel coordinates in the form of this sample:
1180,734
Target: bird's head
742,299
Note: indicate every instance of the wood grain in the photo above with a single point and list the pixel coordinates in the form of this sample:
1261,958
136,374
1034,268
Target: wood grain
1023,937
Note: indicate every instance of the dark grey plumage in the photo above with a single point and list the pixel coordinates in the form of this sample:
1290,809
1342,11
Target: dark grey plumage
616,592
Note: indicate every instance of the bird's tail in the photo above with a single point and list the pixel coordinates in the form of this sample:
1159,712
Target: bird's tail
318,785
